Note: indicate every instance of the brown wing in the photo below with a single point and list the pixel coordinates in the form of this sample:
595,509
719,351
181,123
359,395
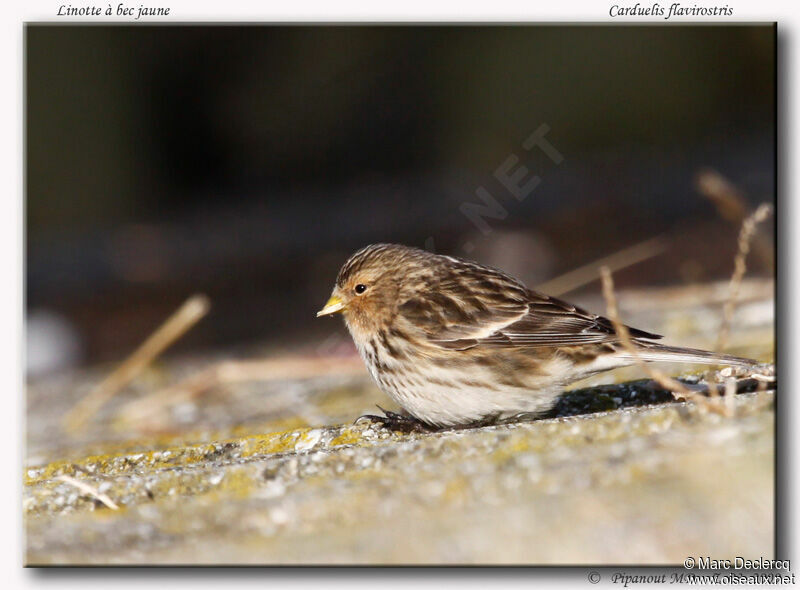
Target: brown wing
535,321
553,322
461,305
466,305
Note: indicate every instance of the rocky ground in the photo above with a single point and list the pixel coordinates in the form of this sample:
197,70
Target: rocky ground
277,472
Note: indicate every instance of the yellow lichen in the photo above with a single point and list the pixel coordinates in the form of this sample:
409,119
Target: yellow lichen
348,436
119,463
238,483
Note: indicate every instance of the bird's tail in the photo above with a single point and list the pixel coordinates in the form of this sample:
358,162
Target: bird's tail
650,351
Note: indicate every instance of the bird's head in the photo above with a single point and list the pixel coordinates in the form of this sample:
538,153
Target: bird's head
369,284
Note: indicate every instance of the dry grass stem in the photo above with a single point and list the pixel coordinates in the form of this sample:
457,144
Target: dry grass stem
667,382
730,395
231,372
762,378
587,273
739,268
728,200
731,206
87,489
194,309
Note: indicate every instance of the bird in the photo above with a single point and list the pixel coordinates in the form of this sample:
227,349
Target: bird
456,343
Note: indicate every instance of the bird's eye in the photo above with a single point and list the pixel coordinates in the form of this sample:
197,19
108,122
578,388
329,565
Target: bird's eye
360,288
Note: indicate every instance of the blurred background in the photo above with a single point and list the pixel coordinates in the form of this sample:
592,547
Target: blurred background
248,162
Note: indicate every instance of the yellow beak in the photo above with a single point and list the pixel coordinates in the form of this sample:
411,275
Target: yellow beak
334,305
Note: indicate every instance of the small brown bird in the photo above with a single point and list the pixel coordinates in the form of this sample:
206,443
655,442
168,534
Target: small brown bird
454,342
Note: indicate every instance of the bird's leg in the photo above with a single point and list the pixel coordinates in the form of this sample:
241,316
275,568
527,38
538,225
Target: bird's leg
403,422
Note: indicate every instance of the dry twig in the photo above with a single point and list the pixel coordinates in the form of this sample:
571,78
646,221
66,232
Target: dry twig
729,201
587,273
230,372
739,268
667,382
87,489
173,328
731,206
730,392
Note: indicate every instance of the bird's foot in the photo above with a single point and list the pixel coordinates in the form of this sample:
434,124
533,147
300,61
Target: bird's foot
399,422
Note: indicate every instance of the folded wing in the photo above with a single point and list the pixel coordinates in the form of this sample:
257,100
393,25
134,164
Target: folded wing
478,306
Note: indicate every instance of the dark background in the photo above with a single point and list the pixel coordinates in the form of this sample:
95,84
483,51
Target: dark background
248,162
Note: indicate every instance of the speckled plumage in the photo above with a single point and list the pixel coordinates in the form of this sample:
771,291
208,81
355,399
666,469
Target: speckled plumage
454,342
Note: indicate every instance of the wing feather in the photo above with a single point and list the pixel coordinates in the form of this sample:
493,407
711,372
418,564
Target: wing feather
473,305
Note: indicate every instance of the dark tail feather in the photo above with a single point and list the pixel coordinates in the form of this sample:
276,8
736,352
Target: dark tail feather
661,352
